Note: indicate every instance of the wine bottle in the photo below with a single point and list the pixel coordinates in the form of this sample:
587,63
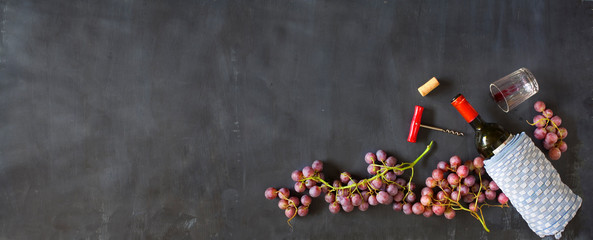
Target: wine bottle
490,138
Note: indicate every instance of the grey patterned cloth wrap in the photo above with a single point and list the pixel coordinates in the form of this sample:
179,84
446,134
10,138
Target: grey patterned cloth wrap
533,186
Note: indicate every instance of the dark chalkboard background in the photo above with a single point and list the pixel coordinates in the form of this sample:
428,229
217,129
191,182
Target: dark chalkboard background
168,119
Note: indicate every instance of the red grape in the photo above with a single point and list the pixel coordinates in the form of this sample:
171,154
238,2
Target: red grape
478,162
426,200
381,155
290,212
554,153
430,182
493,186
562,146
556,120
539,121
502,198
300,187
550,129
449,213
548,113
295,200
356,199
271,193
363,206
427,191
302,211
390,176
427,212
284,193
372,169
417,208
539,106
453,179
315,191
551,138
411,197
399,196
462,171
437,174
442,165
540,133
398,206
345,177
562,133
330,197
373,200
317,166
392,189
490,194
370,158
473,207
306,200
377,183
283,204
438,209
334,207
348,207
391,161
296,175
455,161
407,208
469,180
308,171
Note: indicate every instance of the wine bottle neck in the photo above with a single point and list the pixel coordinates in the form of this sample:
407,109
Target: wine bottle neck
477,123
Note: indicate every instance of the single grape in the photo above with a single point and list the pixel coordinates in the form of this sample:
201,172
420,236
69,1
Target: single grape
302,211
478,162
411,186
308,172
290,212
334,207
550,129
485,184
540,133
411,197
463,190
407,208
437,174
449,213
539,121
370,158
417,208
309,183
554,153
284,193
399,196
556,120
548,113
345,201
315,191
372,169
300,187
356,199
438,209
398,172
401,182
562,133
453,179
475,188
455,196
441,195
430,182
283,204
324,188
481,198
294,201
392,189
271,193
398,206
381,155
363,206
551,138
539,106
373,200
306,200
427,212
455,161
502,198
473,207
442,165
352,183
345,177
562,146
426,200
330,197
490,194
470,164
427,191
462,171
391,161
317,166
390,176
377,183
384,198
468,198
547,145
348,208
493,186
296,175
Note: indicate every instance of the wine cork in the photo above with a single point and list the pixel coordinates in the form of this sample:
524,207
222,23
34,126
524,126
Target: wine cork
428,86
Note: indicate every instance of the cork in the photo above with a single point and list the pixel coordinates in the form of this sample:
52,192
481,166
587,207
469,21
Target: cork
428,86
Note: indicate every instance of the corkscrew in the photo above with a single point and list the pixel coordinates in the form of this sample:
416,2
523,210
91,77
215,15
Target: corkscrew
415,125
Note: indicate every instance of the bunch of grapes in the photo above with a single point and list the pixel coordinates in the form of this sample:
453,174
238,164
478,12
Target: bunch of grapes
459,185
549,130
385,186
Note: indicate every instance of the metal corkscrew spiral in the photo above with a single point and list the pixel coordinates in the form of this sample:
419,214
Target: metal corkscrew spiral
415,125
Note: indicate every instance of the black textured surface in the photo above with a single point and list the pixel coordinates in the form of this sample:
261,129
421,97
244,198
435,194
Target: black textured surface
168,119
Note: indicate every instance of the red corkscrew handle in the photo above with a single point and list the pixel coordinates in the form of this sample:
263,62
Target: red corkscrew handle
415,124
